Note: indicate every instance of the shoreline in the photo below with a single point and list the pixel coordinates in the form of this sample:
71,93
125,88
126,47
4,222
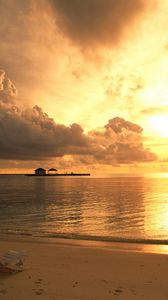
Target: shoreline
89,243
63,270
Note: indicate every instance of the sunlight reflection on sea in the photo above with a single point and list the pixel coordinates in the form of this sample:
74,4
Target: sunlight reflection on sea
109,209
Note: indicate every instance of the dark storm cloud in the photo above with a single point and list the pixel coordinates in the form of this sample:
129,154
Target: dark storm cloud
29,134
96,22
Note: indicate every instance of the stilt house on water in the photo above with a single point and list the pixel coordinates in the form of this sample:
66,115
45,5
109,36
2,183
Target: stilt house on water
40,171
54,172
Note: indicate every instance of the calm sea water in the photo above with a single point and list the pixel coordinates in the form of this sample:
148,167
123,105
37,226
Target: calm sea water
116,208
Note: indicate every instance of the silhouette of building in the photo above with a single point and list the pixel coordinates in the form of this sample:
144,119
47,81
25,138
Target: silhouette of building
40,171
52,171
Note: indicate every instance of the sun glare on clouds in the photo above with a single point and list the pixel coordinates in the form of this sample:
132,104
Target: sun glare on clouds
159,125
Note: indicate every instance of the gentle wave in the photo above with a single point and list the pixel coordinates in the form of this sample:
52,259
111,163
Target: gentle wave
86,238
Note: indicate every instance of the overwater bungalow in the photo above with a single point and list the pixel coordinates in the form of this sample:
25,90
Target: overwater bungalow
52,171
40,171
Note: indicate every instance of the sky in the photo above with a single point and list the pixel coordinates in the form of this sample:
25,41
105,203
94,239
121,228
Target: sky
83,85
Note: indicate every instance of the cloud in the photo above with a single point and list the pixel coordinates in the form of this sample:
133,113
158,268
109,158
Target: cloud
155,110
121,142
8,91
30,49
118,124
30,134
124,90
93,23
48,69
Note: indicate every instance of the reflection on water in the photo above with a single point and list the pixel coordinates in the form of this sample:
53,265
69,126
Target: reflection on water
156,209
104,208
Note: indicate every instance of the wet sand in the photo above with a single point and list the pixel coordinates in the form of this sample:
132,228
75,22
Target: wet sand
62,270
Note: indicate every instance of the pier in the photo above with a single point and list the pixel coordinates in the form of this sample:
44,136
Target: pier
53,172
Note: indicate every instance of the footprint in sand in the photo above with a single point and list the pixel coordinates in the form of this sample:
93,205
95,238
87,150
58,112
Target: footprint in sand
117,292
75,284
38,290
38,281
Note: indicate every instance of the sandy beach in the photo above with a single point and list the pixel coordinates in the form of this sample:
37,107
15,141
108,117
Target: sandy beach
62,270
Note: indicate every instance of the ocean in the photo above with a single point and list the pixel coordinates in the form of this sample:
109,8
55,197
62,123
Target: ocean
132,209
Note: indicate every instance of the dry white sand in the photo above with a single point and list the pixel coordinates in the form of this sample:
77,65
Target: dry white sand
66,270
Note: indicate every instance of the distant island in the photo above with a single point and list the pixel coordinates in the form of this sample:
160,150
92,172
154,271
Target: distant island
54,172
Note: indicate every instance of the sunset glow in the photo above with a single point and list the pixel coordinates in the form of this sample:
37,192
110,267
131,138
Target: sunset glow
159,125
93,64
